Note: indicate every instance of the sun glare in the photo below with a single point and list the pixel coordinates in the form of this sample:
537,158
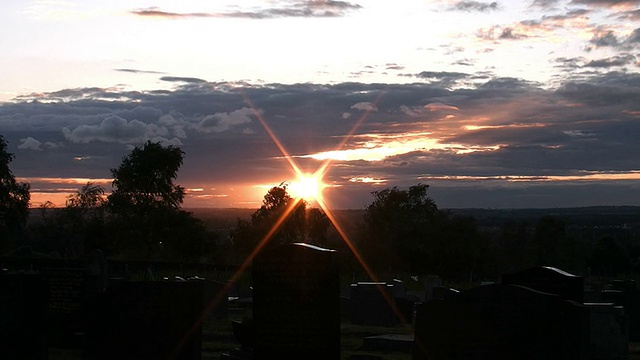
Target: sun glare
307,187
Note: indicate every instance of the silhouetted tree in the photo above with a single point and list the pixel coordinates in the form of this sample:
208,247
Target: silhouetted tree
317,224
145,180
464,250
14,202
85,212
89,197
287,218
403,229
554,247
75,229
146,202
513,249
608,258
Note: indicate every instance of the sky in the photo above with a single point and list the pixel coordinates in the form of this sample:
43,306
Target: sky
493,104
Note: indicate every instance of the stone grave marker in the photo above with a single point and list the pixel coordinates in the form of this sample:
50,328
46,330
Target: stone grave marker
429,283
23,317
67,296
147,320
550,280
372,304
502,322
443,292
624,293
609,331
296,303
97,272
215,299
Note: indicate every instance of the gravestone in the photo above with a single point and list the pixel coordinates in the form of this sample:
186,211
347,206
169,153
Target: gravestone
67,296
550,280
503,322
444,293
625,294
372,304
23,317
429,283
147,320
215,298
296,303
609,331
97,272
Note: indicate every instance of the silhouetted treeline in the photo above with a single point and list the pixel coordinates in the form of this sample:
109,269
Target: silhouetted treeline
402,231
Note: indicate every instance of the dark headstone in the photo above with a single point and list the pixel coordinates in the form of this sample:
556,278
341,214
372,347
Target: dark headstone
629,298
388,342
67,296
215,299
430,282
296,303
609,331
502,322
549,280
97,272
23,317
244,332
444,293
147,320
373,304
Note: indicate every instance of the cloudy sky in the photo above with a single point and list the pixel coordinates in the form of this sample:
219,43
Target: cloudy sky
494,104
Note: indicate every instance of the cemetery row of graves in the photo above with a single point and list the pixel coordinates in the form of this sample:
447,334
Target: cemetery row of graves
295,305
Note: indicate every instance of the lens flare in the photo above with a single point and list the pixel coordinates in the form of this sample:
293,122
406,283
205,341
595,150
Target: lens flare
307,187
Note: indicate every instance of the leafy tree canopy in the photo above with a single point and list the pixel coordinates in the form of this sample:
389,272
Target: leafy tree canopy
14,196
145,180
405,231
287,218
147,202
91,196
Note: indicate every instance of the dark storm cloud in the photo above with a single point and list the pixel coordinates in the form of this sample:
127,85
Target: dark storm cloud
472,6
306,9
504,128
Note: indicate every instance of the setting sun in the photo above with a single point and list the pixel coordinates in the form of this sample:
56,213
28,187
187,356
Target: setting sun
306,187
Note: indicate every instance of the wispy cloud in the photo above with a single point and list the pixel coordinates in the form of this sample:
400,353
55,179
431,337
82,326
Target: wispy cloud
138,71
472,6
608,3
191,80
305,9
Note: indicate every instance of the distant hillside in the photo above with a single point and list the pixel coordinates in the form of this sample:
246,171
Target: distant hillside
595,216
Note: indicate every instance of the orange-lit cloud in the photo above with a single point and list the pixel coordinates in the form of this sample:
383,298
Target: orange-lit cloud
585,176
440,107
367,180
378,147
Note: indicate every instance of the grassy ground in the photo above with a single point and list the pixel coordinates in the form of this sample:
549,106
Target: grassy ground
217,338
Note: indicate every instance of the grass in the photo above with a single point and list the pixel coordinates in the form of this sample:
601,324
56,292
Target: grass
217,338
